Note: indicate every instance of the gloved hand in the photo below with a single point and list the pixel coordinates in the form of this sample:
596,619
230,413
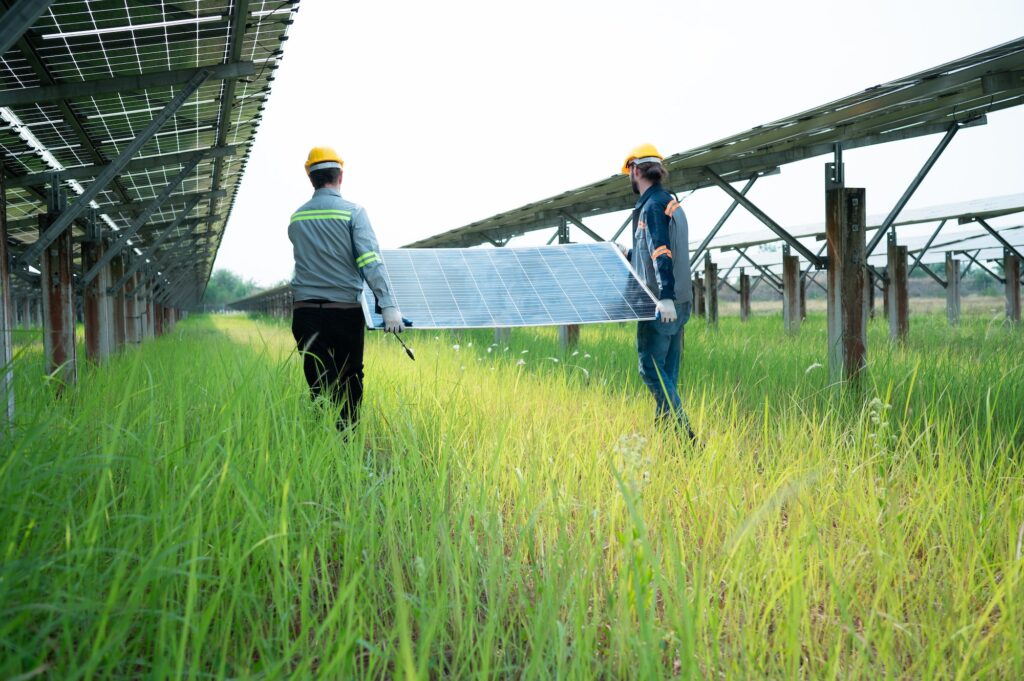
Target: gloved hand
622,249
393,320
667,310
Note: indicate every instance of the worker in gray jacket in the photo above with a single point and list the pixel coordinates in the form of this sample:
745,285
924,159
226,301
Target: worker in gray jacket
335,250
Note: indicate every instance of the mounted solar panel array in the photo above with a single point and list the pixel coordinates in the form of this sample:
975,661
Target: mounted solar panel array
445,288
89,76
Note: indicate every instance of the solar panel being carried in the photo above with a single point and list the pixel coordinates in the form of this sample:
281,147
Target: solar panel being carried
445,288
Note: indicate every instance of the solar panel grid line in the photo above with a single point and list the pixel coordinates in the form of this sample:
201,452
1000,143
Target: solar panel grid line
507,287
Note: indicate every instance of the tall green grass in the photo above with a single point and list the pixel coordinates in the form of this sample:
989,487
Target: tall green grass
508,511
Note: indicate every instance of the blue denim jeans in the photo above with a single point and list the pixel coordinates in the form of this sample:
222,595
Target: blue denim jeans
659,347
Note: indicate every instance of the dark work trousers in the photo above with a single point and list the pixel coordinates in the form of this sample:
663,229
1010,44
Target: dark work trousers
331,345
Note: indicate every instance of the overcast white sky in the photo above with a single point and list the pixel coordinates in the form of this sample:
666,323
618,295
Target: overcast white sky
449,112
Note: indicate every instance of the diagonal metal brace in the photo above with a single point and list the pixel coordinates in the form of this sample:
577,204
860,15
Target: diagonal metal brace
586,230
64,220
125,234
19,19
894,213
721,221
999,237
763,217
974,259
917,260
151,251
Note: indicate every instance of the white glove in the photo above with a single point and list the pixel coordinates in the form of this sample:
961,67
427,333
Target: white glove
393,320
622,249
667,310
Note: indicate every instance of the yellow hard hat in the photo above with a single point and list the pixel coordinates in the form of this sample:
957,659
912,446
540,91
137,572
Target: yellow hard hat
645,153
321,158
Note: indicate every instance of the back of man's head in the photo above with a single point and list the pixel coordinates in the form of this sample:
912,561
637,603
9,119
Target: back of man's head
325,176
653,172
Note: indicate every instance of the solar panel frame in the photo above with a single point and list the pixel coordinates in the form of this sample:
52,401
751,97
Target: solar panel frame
524,287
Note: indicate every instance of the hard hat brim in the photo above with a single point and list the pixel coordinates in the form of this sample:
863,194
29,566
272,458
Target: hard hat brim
323,165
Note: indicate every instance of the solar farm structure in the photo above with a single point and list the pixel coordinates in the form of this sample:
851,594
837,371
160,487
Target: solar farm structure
847,247
125,133
508,506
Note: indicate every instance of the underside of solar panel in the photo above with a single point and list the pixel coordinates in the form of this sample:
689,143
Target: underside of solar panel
455,288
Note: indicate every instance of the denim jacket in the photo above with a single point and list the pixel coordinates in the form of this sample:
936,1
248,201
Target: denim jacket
661,245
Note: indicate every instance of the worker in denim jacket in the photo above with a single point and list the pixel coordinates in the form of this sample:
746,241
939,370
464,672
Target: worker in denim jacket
661,257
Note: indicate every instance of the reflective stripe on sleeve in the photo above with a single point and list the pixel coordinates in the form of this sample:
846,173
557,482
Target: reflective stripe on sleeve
321,215
661,250
367,258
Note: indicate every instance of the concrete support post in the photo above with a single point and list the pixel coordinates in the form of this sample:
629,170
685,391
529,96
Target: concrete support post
502,335
97,305
711,291
744,296
952,289
845,217
58,305
1011,271
899,298
791,293
698,296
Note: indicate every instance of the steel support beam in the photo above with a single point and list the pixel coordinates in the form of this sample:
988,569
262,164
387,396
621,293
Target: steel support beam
711,291
97,306
920,254
117,265
58,306
111,171
791,316
1011,272
136,165
921,174
91,88
952,290
17,20
899,298
845,217
569,335
1001,239
583,228
766,273
744,296
721,221
6,311
150,252
698,297
621,229
869,291
974,261
763,217
121,242
239,17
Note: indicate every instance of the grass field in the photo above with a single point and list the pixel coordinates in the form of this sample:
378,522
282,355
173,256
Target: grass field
506,511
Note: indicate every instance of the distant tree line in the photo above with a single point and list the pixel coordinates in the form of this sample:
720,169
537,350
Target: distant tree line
224,287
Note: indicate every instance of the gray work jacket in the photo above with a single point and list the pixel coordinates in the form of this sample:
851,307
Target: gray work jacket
335,250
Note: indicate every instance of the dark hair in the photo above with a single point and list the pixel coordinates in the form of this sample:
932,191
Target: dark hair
324,176
653,172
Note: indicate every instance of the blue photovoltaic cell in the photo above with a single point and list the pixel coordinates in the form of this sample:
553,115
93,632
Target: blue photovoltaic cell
458,288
